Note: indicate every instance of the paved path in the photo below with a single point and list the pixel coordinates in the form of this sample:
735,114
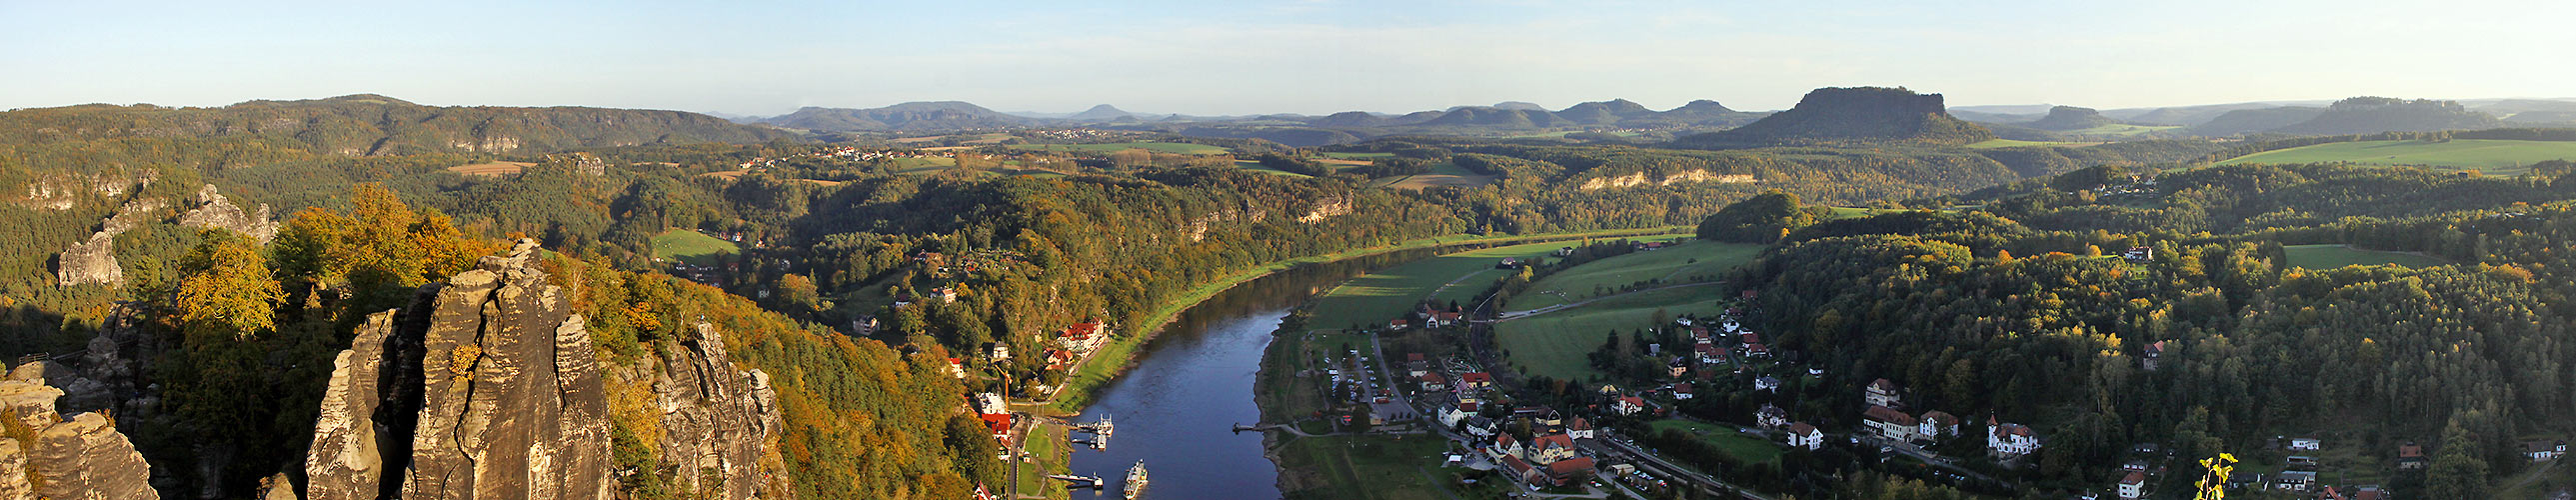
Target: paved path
1560,307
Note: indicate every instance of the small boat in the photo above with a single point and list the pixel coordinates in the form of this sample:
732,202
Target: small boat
1136,480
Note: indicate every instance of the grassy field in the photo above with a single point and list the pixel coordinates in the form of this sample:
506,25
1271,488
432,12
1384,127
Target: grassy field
1442,174
1672,265
1104,365
2335,256
693,247
491,169
1045,443
2121,130
2494,157
1365,467
1254,166
2009,143
1158,147
1749,449
1357,156
1370,300
1555,344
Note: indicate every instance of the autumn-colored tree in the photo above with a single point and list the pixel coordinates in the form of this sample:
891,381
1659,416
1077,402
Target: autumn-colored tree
225,290
382,248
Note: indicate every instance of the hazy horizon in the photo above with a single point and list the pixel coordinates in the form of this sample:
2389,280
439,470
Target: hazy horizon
1307,57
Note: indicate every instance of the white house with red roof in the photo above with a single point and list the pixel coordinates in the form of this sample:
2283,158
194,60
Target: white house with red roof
1882,393
1682,391
1806,436
2134,485
1504,446
1579,428
1770,417
1434,382
2007,440
1936,424
1630,405
1083,338
1888,423
1551,448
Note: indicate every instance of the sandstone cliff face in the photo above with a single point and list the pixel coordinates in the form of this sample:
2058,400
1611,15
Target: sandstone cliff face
487,387
94,260
82,458
715,419
214,211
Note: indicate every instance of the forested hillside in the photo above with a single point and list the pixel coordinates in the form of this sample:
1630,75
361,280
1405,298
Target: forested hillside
2209,338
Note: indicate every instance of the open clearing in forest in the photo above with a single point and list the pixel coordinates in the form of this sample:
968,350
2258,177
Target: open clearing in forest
2493,157
1112,147
1746,449
492,169
1370,300
1254,166
2336,256
1442,174
2009,143
1671,265
1557,344
690,246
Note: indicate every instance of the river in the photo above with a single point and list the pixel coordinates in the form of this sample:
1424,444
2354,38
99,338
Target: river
1176,409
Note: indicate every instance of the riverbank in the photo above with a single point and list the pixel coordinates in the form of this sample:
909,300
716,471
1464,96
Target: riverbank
1119,355
1094,380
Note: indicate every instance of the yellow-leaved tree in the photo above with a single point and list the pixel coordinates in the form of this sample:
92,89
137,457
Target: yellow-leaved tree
225,289
382,248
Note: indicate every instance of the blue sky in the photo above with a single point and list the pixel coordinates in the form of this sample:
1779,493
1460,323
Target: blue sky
1319,56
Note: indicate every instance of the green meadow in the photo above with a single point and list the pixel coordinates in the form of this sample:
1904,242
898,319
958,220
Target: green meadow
2494,157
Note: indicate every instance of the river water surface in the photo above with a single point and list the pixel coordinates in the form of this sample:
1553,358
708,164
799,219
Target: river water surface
1176,409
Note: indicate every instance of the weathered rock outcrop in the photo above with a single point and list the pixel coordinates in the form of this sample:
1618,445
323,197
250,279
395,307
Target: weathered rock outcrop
214,211
487,387
83,458
715,418
94,260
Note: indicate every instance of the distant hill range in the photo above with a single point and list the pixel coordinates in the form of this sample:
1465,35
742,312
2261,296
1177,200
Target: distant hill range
2064,118
373,125
1857,114
1295,130
906,117
2364,115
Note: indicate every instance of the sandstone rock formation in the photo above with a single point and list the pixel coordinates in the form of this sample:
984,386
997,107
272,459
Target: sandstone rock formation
214,211
487,387
714,417
83,458
94,260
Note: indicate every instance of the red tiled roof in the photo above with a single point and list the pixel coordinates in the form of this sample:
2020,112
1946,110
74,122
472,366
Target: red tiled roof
1570,466
2135,477
1518,467
1412,356
1883,385
1558,440
1801,429
1476,377
1885,414
1579,424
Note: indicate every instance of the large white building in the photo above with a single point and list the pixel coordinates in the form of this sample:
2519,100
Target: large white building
2010,440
